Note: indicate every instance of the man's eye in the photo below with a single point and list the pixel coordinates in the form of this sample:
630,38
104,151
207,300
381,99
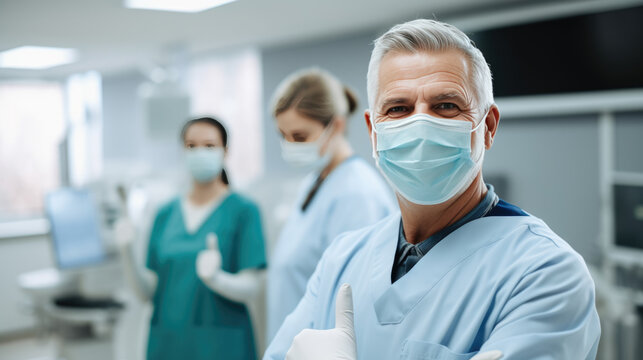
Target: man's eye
447,106
210,145
397,110
447,109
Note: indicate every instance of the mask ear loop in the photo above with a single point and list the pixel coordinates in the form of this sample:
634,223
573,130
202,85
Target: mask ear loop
480,123
373,132
484,120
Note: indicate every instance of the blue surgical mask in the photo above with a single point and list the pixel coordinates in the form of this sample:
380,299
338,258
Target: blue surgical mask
426,159
204,163
307,154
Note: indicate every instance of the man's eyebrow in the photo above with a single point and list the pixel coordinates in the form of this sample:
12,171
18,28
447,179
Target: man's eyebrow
393,101
448,96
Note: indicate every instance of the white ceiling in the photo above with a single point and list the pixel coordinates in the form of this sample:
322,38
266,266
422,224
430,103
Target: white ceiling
111,38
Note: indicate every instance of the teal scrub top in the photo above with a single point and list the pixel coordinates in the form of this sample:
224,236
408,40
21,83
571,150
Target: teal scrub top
190,321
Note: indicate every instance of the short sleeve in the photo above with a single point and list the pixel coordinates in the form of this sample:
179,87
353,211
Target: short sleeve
251,239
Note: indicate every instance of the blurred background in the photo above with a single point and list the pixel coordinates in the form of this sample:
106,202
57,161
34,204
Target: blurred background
93,94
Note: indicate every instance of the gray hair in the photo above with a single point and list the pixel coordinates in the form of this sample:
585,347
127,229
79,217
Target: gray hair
430,35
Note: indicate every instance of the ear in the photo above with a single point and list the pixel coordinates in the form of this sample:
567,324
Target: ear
369,126
491,122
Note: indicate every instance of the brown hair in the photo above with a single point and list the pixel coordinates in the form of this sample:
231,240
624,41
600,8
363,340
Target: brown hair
316,94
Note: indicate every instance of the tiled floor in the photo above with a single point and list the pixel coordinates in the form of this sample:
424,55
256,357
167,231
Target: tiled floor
27,348
52,348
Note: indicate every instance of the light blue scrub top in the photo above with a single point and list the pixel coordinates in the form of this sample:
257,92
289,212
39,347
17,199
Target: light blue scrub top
505,283
351,197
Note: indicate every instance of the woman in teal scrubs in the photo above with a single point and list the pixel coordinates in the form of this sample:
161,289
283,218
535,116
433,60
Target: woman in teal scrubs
190,320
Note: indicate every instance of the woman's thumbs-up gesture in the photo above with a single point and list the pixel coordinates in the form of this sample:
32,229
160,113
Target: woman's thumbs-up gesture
208,262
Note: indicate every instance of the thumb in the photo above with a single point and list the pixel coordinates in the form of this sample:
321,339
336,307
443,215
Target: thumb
344,308
212,242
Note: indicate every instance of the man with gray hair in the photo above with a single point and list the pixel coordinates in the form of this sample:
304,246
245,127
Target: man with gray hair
457,273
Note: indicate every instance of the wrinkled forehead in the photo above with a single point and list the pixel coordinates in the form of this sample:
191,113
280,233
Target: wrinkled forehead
404,69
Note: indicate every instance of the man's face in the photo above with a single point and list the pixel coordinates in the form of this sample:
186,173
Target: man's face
434,83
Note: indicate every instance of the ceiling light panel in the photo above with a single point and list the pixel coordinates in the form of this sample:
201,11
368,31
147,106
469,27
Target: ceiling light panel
36,57
187,6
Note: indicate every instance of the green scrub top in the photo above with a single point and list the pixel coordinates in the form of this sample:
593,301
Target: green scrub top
190,321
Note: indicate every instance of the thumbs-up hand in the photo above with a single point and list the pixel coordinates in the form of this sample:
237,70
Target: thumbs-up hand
333,344
208,262
124,233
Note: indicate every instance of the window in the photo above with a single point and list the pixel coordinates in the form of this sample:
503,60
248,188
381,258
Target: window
31,131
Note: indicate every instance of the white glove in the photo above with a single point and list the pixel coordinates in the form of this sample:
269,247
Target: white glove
488,355
333,344
208,262
124,233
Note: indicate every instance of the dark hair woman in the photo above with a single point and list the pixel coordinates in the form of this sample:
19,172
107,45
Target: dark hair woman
207,251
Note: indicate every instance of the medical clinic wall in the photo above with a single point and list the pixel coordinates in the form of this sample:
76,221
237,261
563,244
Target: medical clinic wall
628,147
552,169
124,130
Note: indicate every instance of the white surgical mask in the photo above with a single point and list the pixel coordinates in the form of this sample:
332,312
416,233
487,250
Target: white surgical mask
427,159
204,163
306,154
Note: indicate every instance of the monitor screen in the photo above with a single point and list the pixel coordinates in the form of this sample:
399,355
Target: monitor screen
75,228
628,215
591,52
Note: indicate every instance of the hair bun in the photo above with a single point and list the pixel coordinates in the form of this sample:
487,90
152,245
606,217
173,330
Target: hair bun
352,100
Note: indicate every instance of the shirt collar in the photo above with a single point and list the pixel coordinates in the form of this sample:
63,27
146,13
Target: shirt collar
403,247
